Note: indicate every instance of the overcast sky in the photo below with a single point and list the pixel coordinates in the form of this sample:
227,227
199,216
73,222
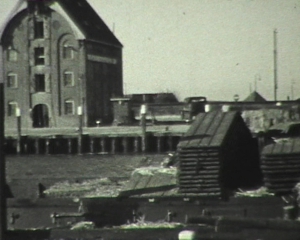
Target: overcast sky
212,48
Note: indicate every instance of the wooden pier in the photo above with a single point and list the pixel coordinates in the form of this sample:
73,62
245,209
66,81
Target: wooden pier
98,140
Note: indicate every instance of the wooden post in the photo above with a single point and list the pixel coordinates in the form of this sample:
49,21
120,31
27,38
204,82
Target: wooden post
25,146
18,116
143,124
170,143
125,144
37,146
158,144
102,145
92,145
70,145
136,144
47,146
79,141
113,145
3,223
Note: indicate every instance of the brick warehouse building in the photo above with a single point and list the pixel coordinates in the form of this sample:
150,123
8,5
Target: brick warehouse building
58,55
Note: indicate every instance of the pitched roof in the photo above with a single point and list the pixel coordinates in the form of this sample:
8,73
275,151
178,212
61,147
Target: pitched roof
209,129
80,12
88,21
283,147
20,5
255,97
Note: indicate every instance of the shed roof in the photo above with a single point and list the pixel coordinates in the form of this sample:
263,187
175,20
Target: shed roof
209,129
255,97
284,147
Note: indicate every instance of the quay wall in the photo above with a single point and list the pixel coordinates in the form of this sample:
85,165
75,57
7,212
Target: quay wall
117,211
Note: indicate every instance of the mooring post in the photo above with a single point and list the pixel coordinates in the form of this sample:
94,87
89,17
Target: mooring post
18,116
143,124
79,141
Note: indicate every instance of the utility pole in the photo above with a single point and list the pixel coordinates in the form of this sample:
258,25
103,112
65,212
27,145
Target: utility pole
19,135
143,112
79,137
256,78
3,225
292,89
275,65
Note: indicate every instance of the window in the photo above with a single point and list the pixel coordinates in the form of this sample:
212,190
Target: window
12,107
68,52
40,83
12,55
39,29
68,79
12,80
39,56
69,107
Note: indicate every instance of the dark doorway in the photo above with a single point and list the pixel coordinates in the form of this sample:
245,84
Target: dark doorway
40,116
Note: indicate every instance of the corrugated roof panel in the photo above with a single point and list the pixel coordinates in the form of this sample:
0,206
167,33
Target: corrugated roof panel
191,132
223,128
201,131
268,149
209,129
278,149
286,146
196,124
296,146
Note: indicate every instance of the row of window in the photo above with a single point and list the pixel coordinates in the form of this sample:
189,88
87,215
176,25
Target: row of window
69,108
12,81
39,54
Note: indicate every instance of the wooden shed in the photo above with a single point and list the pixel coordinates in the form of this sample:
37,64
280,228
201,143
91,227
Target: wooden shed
217,154
281,165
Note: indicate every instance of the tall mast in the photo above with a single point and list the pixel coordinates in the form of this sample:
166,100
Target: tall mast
275,65
3,226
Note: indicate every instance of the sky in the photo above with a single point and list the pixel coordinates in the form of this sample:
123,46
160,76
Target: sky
212,48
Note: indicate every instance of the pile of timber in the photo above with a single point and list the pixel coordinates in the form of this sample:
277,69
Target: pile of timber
151,180
281,166
199,171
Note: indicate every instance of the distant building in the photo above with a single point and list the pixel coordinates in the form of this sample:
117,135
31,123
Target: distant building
159,98
255,97
59,55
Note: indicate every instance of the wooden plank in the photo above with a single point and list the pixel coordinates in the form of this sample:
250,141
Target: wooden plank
199,181
198,186
274,171
196,190
200,172
198,177
281,180
203,168
190,164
